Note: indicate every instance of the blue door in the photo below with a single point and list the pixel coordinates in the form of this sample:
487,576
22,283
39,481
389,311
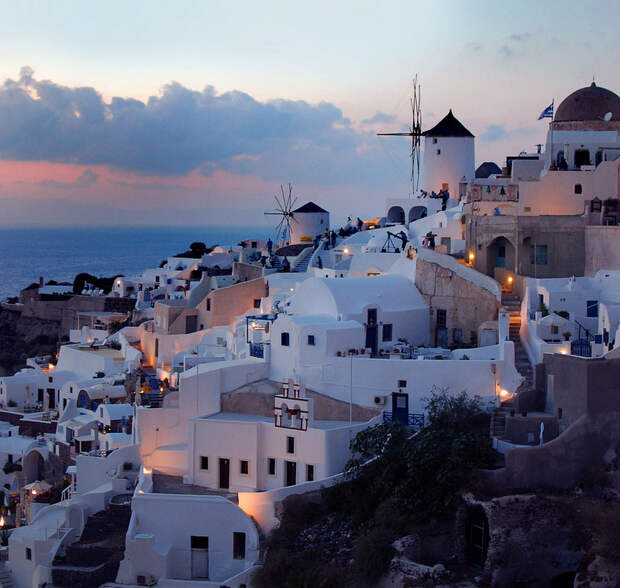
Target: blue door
500,256
400,407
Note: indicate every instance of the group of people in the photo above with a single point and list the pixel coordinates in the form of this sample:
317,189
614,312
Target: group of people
443,194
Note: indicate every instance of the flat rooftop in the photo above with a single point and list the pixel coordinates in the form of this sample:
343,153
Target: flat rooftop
167,484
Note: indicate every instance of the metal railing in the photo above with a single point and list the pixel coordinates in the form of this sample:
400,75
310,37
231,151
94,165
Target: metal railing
414,420
257,350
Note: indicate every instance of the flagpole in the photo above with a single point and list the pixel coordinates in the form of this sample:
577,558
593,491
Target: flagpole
551,124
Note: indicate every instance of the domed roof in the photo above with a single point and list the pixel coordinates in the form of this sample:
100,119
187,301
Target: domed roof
590,103
488,168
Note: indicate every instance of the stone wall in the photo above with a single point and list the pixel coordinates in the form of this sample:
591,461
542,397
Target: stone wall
579,385
561,463
563,235
467,304
602,251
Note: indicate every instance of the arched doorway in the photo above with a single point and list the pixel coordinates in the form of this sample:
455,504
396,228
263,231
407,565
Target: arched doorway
396,214
417,212
500,253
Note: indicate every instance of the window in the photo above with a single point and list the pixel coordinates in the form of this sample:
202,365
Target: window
372,317
441,318
156,347
256,302
284,339
595,205
539,255
244,467
290,445
555,329
40,395
311,340
402,383
254,244
387,332
28,553
50,379
592,308
434,140
457,335
438,151
238,545
271,466
204,462
208,304
578,189
309,473
198,542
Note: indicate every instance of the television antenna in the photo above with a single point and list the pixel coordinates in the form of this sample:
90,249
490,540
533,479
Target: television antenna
415,132
285,202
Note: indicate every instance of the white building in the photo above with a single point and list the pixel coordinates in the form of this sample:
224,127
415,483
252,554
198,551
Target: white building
449,156
308,221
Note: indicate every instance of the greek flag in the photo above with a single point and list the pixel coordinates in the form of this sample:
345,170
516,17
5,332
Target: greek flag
547,112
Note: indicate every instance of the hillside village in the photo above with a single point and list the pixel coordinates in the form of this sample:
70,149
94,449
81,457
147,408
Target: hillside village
188,409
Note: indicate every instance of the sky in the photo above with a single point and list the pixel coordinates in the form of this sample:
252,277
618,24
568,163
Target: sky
195,112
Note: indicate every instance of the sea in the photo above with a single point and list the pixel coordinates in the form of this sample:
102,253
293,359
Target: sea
62,253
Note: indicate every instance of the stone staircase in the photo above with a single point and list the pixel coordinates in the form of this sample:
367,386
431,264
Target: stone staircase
512,303
302,266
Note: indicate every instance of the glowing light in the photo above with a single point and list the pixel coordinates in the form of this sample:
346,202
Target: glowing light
472,256
146,471
34,492
510,279
563,351
292,289
504,393
140,491
2,522
50,366
118,282
346,251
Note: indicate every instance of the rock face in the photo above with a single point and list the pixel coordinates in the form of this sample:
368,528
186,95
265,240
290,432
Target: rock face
532,538
22,337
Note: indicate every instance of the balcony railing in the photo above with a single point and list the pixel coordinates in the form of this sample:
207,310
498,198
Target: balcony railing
414,420
257,350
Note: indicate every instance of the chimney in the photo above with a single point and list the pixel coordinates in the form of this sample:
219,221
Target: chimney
41,282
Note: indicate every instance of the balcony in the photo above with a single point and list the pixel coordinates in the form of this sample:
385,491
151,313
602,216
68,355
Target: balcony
414,420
